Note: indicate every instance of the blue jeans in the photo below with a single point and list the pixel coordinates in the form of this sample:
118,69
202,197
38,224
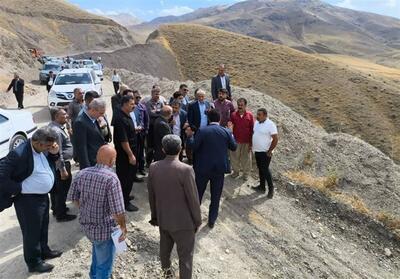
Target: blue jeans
103,254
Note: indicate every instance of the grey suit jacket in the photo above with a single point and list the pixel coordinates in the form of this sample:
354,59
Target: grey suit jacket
173,196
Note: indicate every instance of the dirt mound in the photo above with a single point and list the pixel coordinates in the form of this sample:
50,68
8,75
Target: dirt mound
150,59
360,169
302,233
340,99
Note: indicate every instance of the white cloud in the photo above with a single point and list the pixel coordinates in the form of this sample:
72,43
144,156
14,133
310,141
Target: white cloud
352,4
346,4
385,7
176,11
392,3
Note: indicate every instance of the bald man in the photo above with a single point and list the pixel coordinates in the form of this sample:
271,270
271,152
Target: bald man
161,128
97,192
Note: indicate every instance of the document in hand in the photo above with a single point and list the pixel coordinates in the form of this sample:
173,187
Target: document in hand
120,247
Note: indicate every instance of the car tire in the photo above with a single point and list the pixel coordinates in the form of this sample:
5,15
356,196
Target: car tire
17,140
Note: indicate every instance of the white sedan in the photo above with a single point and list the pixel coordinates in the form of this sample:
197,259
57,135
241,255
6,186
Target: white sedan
16,126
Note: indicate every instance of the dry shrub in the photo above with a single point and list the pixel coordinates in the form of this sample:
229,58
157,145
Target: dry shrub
323,184
308,159
389,220
355,202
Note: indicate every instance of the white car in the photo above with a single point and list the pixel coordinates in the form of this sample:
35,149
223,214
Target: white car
98,69
16,126
62,91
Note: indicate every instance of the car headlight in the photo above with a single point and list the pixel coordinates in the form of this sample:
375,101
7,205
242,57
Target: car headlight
52,93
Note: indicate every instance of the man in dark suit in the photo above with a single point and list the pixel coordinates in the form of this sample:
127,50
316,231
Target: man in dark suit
161,129
17,85
87,128
210,147
50,81
197,116
175,207
179,122
197,110
26,177
221,80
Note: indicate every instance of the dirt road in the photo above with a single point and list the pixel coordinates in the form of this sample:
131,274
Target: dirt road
292,236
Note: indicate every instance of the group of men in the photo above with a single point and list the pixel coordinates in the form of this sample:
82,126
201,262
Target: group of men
212,135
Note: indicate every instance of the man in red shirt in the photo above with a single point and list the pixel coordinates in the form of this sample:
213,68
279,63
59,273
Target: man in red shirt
243,122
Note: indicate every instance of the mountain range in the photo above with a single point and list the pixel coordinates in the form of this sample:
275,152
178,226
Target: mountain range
311,26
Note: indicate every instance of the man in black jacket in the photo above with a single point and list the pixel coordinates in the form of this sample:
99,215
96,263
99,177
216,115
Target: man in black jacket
50,81
26,177
17,84
221,80
89,137
161,129
125,142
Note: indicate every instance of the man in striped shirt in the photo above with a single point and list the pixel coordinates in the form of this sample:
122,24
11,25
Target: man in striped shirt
97,192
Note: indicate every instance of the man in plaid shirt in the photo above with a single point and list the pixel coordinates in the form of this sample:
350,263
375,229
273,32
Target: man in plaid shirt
97,192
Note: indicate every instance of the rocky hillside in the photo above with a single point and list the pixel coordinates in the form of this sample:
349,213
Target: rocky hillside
56,28
308,25
338,98
335,214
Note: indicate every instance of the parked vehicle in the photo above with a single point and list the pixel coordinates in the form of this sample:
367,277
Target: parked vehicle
98,70
61,94
49,66
16,126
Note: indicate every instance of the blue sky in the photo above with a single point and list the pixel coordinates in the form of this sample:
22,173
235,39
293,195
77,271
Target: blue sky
149,9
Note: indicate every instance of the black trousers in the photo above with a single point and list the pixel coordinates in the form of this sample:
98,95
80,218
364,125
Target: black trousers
216,186
116,87
126,174
150,146
33,216
184,240
58,194
20,99
264,173
140,152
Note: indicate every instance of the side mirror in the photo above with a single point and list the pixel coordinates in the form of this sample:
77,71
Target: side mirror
102,79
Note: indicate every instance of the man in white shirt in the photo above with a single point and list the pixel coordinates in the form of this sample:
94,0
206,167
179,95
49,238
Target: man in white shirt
116,80
265,139
30,169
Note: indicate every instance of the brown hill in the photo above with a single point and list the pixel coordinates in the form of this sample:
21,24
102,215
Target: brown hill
58,27
340,99
309,25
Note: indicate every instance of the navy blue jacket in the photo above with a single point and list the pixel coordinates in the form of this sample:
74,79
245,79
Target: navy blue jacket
210,147
15,168
193,113
183,119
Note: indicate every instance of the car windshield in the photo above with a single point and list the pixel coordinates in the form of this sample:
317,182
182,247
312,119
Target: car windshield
51,67
73,78
87,62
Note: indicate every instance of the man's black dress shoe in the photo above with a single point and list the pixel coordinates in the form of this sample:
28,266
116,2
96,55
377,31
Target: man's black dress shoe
66,218
42,268
51,254
131,208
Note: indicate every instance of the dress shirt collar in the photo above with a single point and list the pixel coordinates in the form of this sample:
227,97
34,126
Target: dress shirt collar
101,166
214,123
171,157
92,119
